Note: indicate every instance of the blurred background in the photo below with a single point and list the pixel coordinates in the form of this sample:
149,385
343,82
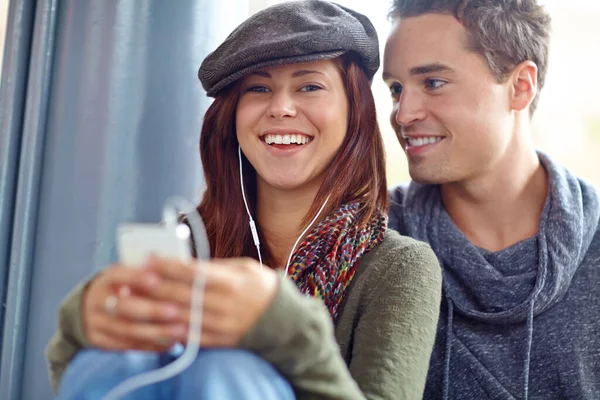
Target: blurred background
100,113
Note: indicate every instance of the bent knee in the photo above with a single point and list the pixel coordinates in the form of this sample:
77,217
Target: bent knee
233,373
94,371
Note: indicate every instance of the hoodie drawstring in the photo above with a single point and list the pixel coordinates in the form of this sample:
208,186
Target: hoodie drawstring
528,352
448,351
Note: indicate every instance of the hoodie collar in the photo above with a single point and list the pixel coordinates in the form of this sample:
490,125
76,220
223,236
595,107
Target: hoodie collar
543,265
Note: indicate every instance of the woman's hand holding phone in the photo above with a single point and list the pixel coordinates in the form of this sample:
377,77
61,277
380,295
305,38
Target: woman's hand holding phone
153,312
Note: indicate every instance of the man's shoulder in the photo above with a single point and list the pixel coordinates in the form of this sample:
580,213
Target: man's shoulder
398,193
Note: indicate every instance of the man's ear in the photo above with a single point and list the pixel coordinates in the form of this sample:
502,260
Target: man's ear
523,85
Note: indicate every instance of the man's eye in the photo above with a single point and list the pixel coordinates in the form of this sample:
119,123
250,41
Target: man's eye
434,83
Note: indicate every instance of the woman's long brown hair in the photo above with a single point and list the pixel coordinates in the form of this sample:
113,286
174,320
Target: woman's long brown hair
355,174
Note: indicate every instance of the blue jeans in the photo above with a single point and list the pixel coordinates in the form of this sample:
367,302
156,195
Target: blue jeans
215,374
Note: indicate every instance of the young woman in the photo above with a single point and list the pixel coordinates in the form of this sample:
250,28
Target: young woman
348,313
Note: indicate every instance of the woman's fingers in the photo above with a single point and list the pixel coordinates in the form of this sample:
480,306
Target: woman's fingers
101,340
223,275
177,291
136,279
172,292
136,308
174,270
157,308
165,334
119,319
115,343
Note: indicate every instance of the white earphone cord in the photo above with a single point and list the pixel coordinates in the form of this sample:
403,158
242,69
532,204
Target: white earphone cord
193,343
253,225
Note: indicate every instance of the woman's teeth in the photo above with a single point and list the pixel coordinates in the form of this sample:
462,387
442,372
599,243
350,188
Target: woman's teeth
287,139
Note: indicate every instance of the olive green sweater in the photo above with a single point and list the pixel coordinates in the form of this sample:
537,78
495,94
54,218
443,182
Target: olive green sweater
378,348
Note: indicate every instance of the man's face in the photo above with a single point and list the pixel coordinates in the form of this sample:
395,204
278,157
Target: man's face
450,114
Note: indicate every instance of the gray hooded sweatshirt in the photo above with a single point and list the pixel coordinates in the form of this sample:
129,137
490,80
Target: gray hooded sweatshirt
523,322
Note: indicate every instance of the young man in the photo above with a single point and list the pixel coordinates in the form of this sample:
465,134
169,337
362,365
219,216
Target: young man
516,234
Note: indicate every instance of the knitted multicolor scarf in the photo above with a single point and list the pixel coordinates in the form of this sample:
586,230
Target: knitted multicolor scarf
326,260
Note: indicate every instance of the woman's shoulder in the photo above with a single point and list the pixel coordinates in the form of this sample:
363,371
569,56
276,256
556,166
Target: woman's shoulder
401,257
401,248
395,242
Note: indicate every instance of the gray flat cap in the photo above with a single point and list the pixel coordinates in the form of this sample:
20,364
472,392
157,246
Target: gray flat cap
291,32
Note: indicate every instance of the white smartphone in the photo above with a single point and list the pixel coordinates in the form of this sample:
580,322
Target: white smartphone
137,241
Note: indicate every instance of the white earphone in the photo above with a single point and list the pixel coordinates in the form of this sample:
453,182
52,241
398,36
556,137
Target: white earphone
253,224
